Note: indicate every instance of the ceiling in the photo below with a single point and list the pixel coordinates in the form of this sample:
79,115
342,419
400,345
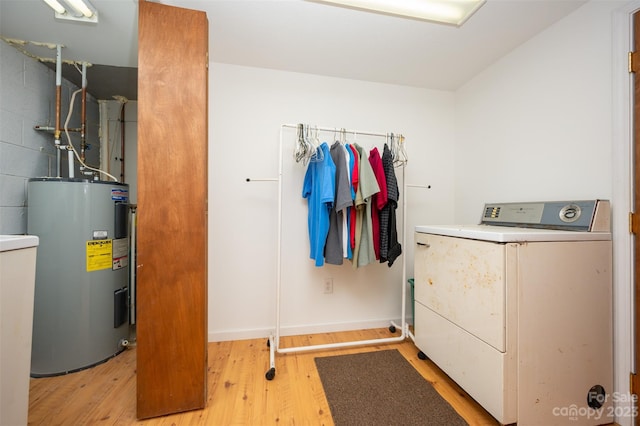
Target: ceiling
292,35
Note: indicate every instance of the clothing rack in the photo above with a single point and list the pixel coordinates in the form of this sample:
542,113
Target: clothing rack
274,339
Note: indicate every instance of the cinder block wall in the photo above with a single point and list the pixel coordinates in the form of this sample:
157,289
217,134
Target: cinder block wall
27,99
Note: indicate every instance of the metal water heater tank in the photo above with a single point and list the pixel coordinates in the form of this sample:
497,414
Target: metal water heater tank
81,291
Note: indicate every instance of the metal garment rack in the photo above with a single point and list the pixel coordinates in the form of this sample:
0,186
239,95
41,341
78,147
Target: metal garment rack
274,339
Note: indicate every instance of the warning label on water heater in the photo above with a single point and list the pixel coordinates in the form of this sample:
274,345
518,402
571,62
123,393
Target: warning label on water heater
99,255
120,253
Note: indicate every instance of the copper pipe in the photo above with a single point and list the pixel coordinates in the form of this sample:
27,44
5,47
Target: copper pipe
58,113
58,107
58,90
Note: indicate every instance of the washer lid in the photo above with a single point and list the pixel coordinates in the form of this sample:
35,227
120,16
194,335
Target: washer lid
504,234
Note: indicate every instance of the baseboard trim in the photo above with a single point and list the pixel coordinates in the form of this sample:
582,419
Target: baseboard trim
221,336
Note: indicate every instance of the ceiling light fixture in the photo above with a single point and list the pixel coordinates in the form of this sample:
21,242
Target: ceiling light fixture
452,12
74,10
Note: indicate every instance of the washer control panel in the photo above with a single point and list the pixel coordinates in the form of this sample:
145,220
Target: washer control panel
584,215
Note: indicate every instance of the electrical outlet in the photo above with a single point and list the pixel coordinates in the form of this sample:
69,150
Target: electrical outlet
328,285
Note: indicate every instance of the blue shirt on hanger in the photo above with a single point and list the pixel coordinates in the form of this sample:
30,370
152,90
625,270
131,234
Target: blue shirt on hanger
319,189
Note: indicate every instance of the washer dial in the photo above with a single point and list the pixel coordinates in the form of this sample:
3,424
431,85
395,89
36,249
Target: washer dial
570,213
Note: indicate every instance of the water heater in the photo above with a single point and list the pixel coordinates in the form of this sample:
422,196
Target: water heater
81,290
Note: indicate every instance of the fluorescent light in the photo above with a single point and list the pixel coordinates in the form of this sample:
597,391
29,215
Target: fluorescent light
454,12
74,10
81,7
55,6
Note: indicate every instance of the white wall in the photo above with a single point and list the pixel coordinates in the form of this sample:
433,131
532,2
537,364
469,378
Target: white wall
538,125
248,107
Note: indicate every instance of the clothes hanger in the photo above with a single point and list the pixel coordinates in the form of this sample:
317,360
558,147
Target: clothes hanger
398,153
300,151
317,152
343,136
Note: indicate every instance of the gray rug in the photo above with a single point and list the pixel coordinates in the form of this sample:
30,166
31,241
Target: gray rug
381,388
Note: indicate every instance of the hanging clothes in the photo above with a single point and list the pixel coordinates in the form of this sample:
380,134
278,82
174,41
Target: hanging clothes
355,179
319,189
367,186
352,199
390,248
333,251
346,217
379,199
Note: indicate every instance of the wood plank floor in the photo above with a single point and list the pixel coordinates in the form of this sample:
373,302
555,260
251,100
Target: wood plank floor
238,393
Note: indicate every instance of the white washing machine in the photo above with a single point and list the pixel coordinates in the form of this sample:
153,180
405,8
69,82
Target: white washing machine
518,310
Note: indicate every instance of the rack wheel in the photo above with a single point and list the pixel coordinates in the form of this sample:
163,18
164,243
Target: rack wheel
270,374
422,355
392,328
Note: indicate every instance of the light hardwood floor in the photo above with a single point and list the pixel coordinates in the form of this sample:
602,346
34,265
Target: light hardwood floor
238,393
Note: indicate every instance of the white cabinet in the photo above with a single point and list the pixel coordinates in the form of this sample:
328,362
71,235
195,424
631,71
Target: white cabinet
524,327
17,286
